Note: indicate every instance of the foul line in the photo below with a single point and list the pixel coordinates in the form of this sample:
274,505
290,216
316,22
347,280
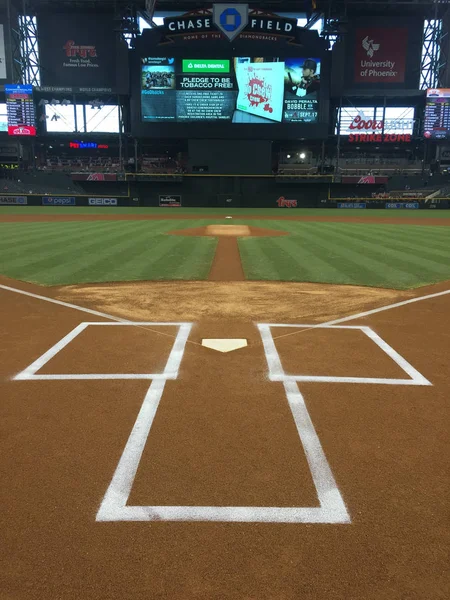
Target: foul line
333,322
86,310
366,313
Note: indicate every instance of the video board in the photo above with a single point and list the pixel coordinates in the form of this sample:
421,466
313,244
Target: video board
437,114
244,90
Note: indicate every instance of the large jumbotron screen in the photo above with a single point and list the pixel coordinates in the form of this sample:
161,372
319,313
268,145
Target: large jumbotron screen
236,90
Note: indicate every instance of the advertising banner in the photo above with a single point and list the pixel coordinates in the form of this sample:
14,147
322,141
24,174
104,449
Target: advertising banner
384,53
380,55
231,21
283,202
103,202
170,200
402,205
13,200
53,201
77,50
241,90
351,205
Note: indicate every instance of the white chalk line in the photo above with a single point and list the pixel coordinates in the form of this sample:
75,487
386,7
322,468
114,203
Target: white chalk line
30,373
333,322
277,373
119,489
327,490
332,508
86,310
65,304
367,313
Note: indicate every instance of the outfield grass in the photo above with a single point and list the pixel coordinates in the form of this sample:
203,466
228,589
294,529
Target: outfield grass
377,255
372,254
222,212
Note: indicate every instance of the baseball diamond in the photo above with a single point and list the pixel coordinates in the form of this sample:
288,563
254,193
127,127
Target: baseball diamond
224,300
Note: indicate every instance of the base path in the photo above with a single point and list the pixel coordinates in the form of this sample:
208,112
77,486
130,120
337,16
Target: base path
227,264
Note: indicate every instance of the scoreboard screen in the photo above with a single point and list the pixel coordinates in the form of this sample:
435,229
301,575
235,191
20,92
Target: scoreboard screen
235,90
437,114
20,110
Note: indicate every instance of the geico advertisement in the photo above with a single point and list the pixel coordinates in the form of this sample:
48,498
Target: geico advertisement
103,202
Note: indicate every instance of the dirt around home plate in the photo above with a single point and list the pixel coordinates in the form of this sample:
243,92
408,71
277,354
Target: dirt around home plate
223,434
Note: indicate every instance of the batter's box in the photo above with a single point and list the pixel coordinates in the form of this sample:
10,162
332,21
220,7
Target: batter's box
108,350
277,372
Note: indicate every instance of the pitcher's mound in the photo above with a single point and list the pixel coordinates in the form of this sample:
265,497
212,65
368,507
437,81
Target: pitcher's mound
228,230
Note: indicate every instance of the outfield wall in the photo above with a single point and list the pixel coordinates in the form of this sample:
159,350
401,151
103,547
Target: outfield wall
225,192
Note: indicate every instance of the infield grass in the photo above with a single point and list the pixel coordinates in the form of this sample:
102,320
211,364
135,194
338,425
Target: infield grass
82,252
377,255
372,254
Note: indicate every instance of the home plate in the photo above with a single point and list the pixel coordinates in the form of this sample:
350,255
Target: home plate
224,344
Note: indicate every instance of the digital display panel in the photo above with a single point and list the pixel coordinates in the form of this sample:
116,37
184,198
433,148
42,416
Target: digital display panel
437,114
20,110
236,90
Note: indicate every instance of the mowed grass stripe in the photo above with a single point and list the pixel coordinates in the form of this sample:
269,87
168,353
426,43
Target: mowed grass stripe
48,240
437,251
55,251
289,259
355,261
101,260
24,238
391,252
63,253
348,267
379,265
259,261
198,258
349,261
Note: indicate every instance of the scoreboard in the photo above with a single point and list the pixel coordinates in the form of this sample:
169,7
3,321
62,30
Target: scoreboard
437,114
20,110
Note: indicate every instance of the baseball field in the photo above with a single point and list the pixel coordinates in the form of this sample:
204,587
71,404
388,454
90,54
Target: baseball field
224,404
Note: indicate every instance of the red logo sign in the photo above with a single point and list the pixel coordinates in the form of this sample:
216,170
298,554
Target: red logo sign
371,124
380,55
84,51
21,130
283,203
388,138
258,93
